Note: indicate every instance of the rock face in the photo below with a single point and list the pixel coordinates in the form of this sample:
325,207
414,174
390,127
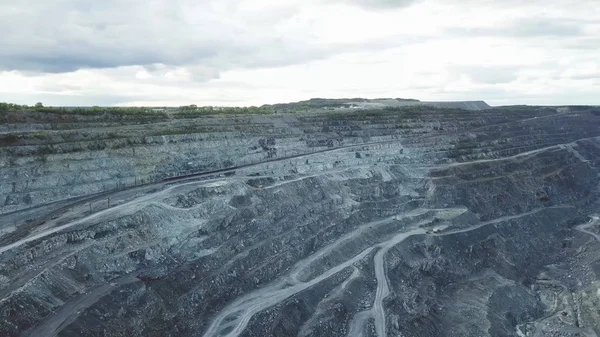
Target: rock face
404,221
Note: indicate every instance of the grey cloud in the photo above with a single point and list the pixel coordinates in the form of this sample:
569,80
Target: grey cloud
58,88
488,75
589,76
536,27
60,62
544,27
379,4
583,43
203,74
71,34
50,99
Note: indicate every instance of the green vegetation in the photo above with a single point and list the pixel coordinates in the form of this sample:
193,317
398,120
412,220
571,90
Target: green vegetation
193,110
328,103
12,107
40,135
180,112
95,110
316,103
404,112
125,111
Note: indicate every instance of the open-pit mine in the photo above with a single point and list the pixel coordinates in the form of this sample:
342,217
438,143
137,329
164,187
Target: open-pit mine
318,218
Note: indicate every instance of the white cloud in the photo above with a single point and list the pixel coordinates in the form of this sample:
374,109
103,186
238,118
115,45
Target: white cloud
240,52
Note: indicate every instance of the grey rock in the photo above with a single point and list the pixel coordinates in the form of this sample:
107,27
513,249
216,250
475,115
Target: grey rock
406,220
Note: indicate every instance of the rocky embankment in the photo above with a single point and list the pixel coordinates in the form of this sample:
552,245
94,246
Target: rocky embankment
405,221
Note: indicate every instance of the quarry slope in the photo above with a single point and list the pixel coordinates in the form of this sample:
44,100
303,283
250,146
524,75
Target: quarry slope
414,220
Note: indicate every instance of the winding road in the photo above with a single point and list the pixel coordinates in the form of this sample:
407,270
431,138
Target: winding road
232,321
584,228
234,318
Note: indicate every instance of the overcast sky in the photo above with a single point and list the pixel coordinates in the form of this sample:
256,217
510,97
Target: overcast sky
252,52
